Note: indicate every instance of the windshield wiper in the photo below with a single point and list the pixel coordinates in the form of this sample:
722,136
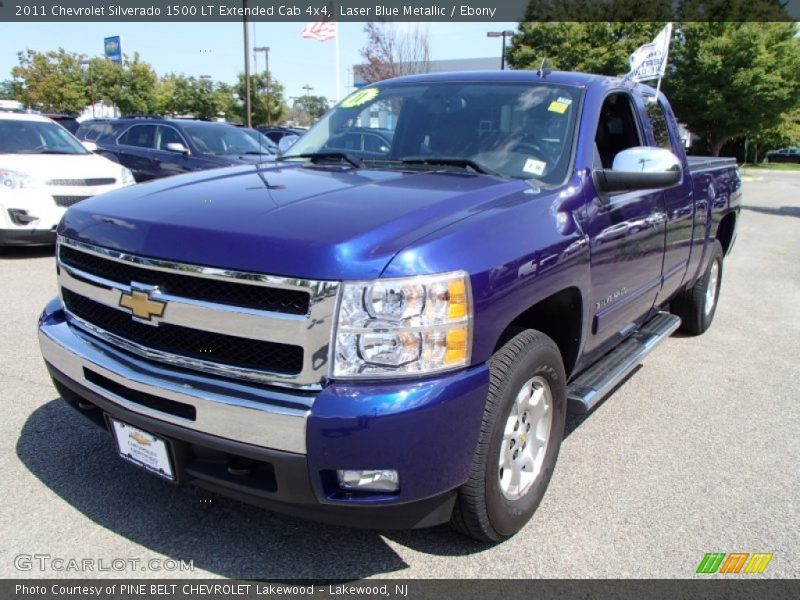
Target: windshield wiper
52,152
314,157
449,161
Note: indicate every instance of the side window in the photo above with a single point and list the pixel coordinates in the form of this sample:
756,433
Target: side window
617,129
658,120
168,135
143,136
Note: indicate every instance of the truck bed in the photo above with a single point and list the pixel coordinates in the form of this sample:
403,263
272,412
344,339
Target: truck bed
700,163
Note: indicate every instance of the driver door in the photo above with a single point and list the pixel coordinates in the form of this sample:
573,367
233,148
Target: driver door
626,232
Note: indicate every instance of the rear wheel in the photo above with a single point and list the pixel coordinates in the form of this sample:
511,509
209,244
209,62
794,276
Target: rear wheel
523,425
697,305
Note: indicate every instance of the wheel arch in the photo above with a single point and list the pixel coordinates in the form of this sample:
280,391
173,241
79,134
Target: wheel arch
560,317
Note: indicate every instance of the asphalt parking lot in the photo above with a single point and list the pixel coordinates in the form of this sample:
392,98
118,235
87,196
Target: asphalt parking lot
699,451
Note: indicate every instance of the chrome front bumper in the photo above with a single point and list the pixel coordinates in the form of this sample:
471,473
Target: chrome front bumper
247,413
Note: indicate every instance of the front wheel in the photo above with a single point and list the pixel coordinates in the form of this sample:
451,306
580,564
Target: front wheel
697,305
523,425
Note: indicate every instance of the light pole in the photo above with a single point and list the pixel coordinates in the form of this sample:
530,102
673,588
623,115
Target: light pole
265,50
88,63
502,34
247,119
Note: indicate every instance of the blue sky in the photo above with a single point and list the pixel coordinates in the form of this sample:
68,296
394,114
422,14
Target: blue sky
216,49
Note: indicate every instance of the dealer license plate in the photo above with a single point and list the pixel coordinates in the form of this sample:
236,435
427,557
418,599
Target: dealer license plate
143,449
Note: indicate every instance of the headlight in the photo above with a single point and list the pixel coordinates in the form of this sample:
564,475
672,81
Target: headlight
127,176
401,327
14,180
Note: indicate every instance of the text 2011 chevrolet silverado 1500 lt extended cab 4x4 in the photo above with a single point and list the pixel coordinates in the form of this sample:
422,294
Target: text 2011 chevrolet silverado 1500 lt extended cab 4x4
389,335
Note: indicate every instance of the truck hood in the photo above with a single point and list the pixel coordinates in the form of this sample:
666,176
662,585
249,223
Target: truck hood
291,220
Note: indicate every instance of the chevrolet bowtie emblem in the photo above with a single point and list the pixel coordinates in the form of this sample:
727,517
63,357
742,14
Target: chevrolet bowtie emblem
141,306
141,439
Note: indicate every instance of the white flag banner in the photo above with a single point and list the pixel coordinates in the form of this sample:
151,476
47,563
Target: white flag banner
650,60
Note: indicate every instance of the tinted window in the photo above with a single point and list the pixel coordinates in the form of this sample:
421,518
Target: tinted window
658,120
37,137
168,135
222,139
143,136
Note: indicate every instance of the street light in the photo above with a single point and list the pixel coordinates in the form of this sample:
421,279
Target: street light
265,50
91,80
502,34
247,112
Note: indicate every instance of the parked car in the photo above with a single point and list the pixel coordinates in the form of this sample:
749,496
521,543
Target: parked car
784,155
44,170
153,147
276,132
263,141
66,121
91,129
393,339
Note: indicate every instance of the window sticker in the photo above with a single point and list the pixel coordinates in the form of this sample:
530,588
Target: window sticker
560,105
360,97
534,167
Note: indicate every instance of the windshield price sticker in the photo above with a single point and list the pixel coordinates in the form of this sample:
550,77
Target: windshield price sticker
560,105
534,167
360,97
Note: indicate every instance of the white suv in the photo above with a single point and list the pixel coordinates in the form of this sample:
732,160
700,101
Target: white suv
43,171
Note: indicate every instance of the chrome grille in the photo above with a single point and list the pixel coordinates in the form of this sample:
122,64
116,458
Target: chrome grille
83,182
224,322
67,201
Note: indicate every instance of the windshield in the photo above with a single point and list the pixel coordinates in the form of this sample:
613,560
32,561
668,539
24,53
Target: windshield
222,139
37,137
266,144
515,130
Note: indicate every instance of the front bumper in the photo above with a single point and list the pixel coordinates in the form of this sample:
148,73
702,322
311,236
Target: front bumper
292,442
26,236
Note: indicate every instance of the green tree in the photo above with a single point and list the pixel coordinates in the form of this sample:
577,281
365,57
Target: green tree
260,107
315,106
595,47
131,86
54,81
725,79
8,90
731,80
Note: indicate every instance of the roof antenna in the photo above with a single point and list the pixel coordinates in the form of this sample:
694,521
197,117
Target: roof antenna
544,68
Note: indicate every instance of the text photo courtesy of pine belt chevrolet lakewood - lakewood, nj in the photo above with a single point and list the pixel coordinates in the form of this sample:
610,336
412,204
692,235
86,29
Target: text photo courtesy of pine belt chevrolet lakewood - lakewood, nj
369,288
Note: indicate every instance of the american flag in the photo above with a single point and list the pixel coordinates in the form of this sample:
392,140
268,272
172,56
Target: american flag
321,30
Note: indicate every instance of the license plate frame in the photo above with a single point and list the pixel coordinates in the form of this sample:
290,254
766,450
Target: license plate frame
143,449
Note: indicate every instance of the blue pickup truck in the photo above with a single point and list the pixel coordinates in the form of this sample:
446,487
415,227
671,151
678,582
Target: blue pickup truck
392,336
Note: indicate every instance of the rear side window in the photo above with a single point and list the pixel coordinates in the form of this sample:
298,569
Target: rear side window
142,136
658,120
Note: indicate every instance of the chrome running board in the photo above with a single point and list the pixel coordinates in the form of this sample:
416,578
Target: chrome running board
597,381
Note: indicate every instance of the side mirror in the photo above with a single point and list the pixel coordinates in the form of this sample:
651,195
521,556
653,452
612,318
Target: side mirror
286,142
90,146
640,168
178,147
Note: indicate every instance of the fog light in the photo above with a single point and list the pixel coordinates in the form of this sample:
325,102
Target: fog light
369,480
20,216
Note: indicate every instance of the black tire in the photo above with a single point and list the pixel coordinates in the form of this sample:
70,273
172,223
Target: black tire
690,305
482,512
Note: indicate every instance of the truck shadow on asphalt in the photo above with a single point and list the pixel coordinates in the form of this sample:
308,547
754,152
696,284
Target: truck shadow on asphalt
783,211
26,252
78,462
